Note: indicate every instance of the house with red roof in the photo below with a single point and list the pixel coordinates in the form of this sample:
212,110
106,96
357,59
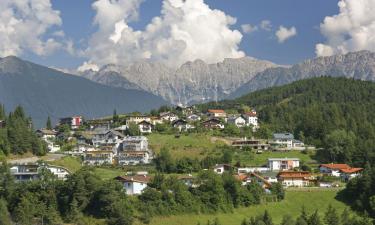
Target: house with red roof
333,169
348,174
217,113
295,178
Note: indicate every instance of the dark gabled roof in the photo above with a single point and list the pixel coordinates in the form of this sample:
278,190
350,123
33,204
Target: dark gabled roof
287,136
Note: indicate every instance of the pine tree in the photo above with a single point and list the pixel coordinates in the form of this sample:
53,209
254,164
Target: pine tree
49,124
301,221
267,218
287,220
314,219
331,217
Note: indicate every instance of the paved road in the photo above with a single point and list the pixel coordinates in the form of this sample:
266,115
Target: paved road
49,157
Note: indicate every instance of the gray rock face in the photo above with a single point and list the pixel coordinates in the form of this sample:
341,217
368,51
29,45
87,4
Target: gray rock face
357,65
191,83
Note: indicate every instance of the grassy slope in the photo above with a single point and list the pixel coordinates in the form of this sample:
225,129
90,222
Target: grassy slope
71,163
192,145
252,159
291,205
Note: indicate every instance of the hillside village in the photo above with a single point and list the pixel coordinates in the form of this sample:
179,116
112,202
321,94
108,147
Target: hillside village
122,142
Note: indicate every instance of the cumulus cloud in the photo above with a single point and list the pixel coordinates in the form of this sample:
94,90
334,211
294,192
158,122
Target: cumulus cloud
23,25
88,66
248,28
353,29
283,33
266,25
184,31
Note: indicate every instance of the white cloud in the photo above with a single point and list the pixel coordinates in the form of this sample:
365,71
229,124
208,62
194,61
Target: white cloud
248,28
23,25
353,29
88,66
283,33
185,31
266,25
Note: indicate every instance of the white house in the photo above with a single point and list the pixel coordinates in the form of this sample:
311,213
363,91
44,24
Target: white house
251,119
193,118
98,157
49,137
283,163
295,178
137,119
134,150
168,116
134,185
105,136
182,125
213,124
221,168
287,141
60,172
348,174
28,172
333,169
238,121
217,113
252,169
145,127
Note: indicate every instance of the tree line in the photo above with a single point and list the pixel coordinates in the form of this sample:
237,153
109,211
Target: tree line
17,135
84,196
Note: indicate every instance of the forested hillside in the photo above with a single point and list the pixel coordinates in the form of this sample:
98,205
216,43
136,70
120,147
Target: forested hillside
335,114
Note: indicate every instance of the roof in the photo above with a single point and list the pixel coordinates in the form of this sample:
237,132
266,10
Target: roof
287,136
216,111
47,132
351,170
144,122
136,178
335,166
212,121
251,114
294,174
179,121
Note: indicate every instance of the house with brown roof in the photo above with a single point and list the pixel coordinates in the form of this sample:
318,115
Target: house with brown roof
253,177
295,178
348,174
333,169
217,113
213,124
134,185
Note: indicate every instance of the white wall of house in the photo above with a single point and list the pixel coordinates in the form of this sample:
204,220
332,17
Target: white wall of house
282,164
295,183
329,171
134,187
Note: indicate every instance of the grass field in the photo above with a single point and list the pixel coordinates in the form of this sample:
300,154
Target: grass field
292,205
191,145
71,163
253,159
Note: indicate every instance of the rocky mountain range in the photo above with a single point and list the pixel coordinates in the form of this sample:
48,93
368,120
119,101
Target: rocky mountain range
357,65
44,92
196,82
193,82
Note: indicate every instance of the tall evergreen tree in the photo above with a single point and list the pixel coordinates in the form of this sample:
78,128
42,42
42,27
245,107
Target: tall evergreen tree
331,217
49,123
314,219
4,213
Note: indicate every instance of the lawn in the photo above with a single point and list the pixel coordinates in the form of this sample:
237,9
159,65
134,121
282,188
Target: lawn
292,205
252,159
190,145
71,163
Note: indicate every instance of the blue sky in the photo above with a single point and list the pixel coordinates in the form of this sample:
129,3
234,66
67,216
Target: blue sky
304,15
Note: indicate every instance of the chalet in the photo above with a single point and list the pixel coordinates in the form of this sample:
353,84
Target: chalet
333,169
137,119
216,113
168,116
134,185
213,124
182,125
221,168
282,163
185,110
27,172
145,127
295,178
74,122
98,157
251,119
348,174
193,118
237,120
251,143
